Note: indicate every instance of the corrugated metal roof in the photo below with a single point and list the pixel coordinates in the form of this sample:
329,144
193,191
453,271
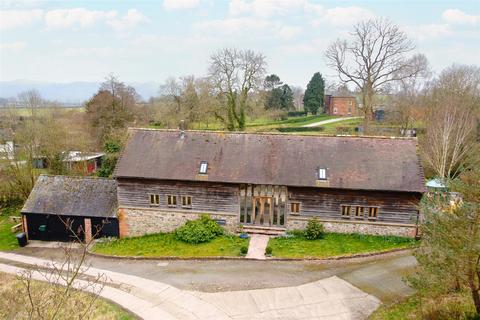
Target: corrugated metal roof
373,163
73,196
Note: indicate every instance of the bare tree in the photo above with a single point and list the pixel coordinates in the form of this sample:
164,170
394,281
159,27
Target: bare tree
298,93
235,73
453,109
375,57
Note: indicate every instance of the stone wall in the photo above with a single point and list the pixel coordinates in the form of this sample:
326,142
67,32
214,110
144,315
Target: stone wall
140,221
373,228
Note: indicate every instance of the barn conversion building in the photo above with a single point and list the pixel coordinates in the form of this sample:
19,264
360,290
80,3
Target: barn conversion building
260,181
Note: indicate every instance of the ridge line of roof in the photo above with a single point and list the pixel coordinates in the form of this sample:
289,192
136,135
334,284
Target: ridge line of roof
276,134
76,177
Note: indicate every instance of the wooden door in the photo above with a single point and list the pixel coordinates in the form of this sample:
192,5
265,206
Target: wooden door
262,211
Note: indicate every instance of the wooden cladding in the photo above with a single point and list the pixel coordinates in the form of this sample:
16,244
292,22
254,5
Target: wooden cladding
205,196
359,212
263,205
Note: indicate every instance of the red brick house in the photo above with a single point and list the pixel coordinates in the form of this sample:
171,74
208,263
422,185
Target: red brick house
340,105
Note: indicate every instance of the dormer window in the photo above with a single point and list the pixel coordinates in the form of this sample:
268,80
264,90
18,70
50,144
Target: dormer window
322,173
203,167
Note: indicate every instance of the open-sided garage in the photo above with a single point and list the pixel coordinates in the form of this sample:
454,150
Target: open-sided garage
62,208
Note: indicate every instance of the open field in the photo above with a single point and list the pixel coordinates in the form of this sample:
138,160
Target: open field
26,111
335,244
165,245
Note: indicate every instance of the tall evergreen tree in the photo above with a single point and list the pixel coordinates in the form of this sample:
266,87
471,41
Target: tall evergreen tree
313,98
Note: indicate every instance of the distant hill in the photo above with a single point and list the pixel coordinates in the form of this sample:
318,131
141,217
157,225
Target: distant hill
68,93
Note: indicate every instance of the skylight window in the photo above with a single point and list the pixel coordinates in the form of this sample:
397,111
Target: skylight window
322,174
203,167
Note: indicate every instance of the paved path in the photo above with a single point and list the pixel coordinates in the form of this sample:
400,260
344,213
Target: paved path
330,298
256,247
321,123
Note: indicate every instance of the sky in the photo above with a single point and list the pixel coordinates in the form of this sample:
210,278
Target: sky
146,40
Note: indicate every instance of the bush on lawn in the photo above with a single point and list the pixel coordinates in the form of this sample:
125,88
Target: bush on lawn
268,250
197,231
314,230
243,250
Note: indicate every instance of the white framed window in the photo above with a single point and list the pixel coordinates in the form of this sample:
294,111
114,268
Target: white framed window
186,201
154,199
171,201
335,110
203,167
322,173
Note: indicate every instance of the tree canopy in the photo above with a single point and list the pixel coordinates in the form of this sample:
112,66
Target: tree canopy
313,98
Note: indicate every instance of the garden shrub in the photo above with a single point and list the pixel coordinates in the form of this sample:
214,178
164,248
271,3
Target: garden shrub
314,230
268,250
243,250
201,230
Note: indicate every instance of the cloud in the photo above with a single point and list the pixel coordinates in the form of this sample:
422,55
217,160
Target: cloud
341,16
92,51
233,25
128,21
428,31
10,19
13,46
180,4
456,16
83,18
289,32
265,8
63,18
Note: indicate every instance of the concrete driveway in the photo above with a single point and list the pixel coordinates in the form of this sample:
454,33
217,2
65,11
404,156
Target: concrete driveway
329,298
239,289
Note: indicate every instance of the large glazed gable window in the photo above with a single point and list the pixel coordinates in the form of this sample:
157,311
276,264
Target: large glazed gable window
203,167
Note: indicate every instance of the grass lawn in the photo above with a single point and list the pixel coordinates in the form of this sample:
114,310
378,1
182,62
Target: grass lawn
8,241
165,245
451,306
335,244
12,300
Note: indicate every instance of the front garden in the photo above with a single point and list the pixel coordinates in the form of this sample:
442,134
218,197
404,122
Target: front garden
197,238
315,243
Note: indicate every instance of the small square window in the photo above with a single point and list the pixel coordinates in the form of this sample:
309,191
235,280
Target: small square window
372,212
322,174
295,207
154,199
359,212
346,211
186,201
171,201
203,167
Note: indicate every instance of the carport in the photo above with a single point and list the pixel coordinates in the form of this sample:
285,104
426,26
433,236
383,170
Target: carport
62,208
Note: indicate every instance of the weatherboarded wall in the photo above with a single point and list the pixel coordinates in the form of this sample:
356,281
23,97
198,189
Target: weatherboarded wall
137,216
393,207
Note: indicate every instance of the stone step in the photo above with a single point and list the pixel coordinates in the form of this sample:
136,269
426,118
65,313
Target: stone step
272,231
